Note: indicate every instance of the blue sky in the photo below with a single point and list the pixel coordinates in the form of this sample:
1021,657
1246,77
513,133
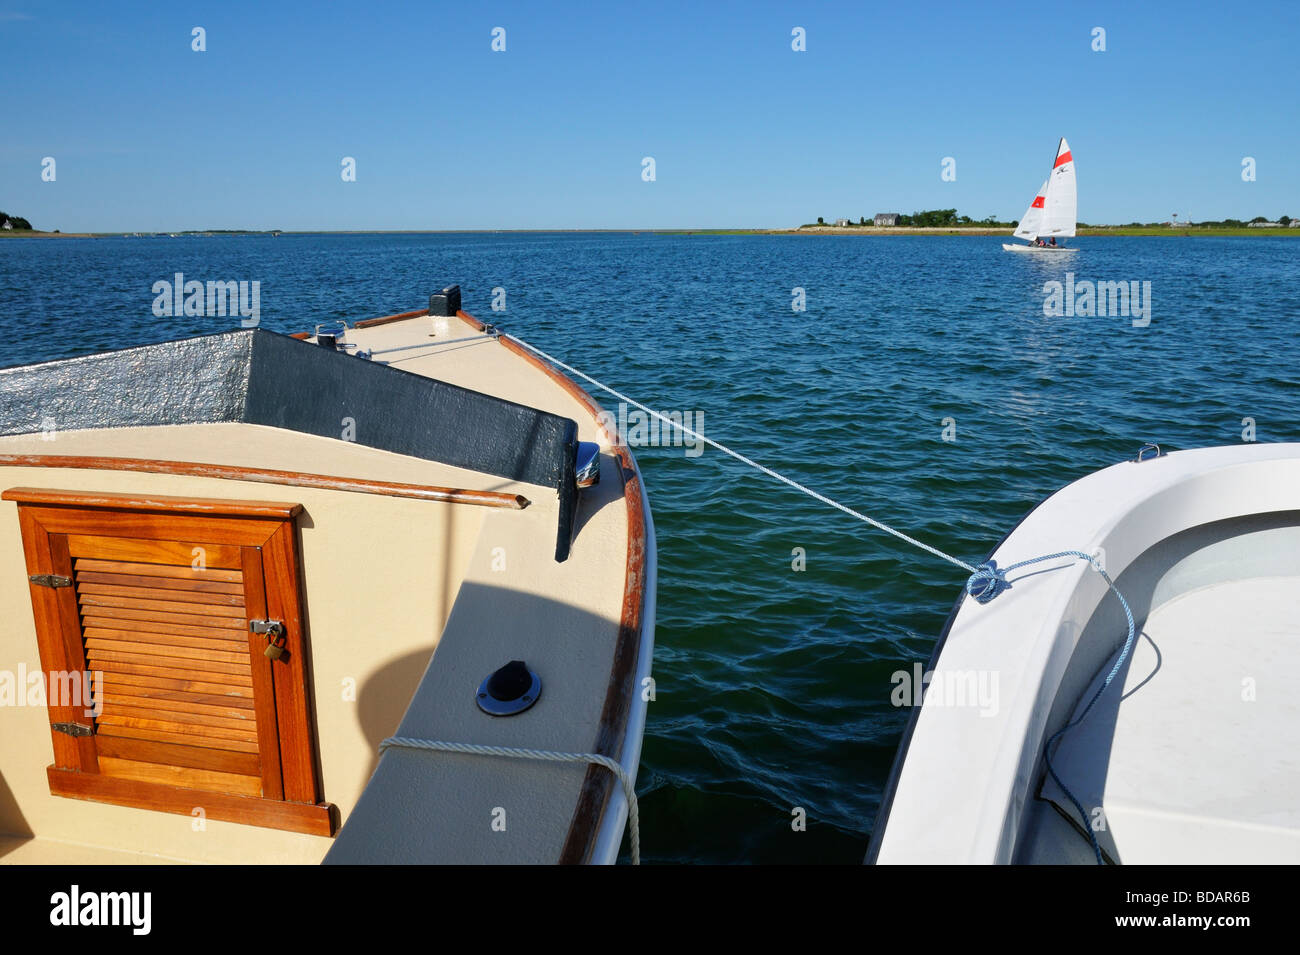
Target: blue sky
447,134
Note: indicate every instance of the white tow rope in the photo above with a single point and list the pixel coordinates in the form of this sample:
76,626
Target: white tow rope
748,461
985,583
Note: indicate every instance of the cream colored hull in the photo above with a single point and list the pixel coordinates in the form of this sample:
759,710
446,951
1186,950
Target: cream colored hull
409,604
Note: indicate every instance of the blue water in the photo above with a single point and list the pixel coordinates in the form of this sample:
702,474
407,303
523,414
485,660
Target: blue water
773,684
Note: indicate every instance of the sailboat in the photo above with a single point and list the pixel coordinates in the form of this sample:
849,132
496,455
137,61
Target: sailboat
1054,210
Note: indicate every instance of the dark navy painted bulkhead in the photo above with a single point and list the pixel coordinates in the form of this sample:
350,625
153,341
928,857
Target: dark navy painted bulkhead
259,377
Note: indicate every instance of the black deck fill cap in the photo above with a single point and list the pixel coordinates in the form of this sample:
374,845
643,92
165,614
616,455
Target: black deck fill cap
510,682
510,690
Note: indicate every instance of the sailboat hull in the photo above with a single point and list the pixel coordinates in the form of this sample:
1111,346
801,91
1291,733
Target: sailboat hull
1035,248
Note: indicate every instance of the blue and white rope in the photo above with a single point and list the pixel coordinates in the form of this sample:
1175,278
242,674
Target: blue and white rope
986,583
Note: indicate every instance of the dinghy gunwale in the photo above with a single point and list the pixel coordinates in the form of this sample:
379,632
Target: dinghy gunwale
900,755
951,827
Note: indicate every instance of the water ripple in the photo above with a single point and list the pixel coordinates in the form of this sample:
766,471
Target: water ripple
774,678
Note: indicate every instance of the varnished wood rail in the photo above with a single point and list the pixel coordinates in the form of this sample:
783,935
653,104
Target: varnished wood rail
419,492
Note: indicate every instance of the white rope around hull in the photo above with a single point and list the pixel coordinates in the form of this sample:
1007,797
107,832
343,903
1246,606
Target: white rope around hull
510,752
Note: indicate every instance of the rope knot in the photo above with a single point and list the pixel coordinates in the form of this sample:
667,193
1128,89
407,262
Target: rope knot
987,582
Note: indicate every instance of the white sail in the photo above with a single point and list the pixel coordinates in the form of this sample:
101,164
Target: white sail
1031,223
1062,203
1054,210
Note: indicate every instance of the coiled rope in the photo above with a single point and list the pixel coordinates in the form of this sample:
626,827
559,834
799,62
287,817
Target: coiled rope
476,749
985,582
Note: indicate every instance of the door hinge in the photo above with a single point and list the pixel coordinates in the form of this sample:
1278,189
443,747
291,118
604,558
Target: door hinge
73,729
50,580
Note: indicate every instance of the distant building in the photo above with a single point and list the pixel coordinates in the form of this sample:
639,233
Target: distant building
7,225
1264,225
841,223
886,218
1293,224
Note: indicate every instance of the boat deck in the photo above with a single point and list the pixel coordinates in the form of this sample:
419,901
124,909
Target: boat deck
454,350
1221,660
391,584
21,850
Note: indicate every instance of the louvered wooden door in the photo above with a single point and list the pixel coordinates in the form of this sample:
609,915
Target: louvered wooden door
153,600
171,645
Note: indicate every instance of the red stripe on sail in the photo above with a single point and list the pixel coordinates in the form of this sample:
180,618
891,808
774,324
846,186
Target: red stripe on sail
1062,159
1038,202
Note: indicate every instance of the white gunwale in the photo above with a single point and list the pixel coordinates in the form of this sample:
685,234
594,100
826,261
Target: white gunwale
1028,636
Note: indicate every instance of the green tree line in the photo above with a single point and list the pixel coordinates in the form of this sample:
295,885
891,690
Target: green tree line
935,219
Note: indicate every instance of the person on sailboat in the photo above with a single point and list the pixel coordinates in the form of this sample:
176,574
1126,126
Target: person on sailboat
1053,242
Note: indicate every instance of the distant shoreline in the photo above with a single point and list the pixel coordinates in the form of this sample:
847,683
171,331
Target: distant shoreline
1153,231
1139,231
1180,231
